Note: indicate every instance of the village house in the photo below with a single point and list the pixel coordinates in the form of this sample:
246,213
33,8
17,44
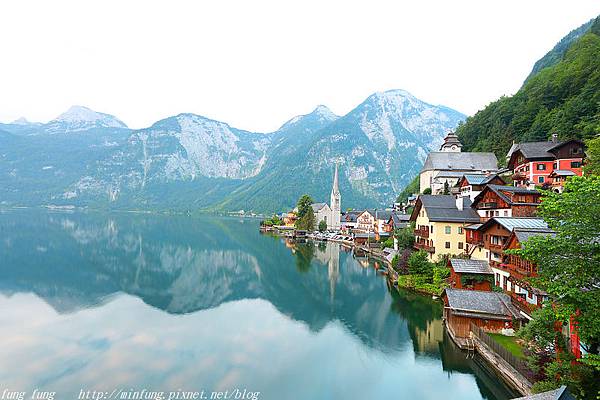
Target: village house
524,295
397,220
445,167
349,220
534,162
439,224
470,274
290,219
365,222
490,311
470,185
506,201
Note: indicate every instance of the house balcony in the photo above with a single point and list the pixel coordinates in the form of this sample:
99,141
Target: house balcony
422,232
522,304
488,205
496,248
519,272
424,246
474,240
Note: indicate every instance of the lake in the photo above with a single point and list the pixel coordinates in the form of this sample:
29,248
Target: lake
126,302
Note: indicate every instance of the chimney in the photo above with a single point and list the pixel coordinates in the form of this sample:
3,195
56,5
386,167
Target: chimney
460,202
554,137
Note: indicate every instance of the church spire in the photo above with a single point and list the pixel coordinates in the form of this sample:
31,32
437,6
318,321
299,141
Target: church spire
335,189
336,199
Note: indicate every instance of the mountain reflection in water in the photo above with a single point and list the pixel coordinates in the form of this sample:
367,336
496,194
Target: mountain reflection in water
228,308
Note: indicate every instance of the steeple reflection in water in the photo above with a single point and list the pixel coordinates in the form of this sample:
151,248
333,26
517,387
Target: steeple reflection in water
174,302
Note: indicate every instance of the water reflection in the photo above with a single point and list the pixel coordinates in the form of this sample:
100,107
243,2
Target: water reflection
228,308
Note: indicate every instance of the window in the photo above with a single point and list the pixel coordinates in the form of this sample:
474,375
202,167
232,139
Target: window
460,245
448,230
555,165
506,213
575,164
575,150
447,245
460,230
541,167
431,229
541,179
497,213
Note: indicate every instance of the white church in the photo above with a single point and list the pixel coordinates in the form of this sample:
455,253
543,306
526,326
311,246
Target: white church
331,214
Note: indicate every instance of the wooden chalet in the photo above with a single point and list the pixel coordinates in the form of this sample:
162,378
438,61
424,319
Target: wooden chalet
470,274
472,184
533,162
488,310
506,201
523,294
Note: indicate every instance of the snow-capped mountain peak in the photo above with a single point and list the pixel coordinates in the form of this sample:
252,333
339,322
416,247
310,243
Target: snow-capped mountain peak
80,118
325,112
23,121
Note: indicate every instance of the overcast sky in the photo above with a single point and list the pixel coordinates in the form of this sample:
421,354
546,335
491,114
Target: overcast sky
255,64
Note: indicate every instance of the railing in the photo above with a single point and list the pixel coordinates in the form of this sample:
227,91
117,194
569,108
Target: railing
478,241
495,247
426,247
517,363
523,304
491,204
424,233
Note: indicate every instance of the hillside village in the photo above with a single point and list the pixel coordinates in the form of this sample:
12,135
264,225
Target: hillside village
468,219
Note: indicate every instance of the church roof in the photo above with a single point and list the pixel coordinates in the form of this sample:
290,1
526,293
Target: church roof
448,161
318,206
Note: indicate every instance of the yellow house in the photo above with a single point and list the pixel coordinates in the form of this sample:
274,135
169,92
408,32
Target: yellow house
440,222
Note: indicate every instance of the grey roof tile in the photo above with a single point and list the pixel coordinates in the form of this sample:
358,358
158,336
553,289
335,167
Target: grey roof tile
440,160
471,266
481,302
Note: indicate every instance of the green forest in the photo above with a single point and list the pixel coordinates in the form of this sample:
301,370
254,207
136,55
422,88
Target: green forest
562,98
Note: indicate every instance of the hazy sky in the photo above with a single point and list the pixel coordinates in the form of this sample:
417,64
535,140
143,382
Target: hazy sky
255,64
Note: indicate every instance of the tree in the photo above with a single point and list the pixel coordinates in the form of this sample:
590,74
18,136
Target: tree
427,191
592,164
569,262
307,221
446,188
418,264
322,226
405,237
304,204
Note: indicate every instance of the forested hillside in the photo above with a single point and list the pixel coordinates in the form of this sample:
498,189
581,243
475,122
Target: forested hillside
563,98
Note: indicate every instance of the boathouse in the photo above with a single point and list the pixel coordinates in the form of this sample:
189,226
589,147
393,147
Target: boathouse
490,311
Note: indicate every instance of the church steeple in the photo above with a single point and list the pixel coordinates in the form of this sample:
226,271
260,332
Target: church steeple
336,200
451,143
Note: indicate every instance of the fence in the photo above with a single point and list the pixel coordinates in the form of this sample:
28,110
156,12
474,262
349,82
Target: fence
517,363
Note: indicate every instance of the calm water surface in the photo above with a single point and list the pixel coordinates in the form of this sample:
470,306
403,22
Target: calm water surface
120,301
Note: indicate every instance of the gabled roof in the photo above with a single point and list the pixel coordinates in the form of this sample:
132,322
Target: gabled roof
524,234
562,172
351,216
318,206
479,179
480,302
381,214
511,223
443,160
471,266
501,190
398,219
537,150
442,208
562,393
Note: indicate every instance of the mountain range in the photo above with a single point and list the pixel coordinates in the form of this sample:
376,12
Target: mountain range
189,162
